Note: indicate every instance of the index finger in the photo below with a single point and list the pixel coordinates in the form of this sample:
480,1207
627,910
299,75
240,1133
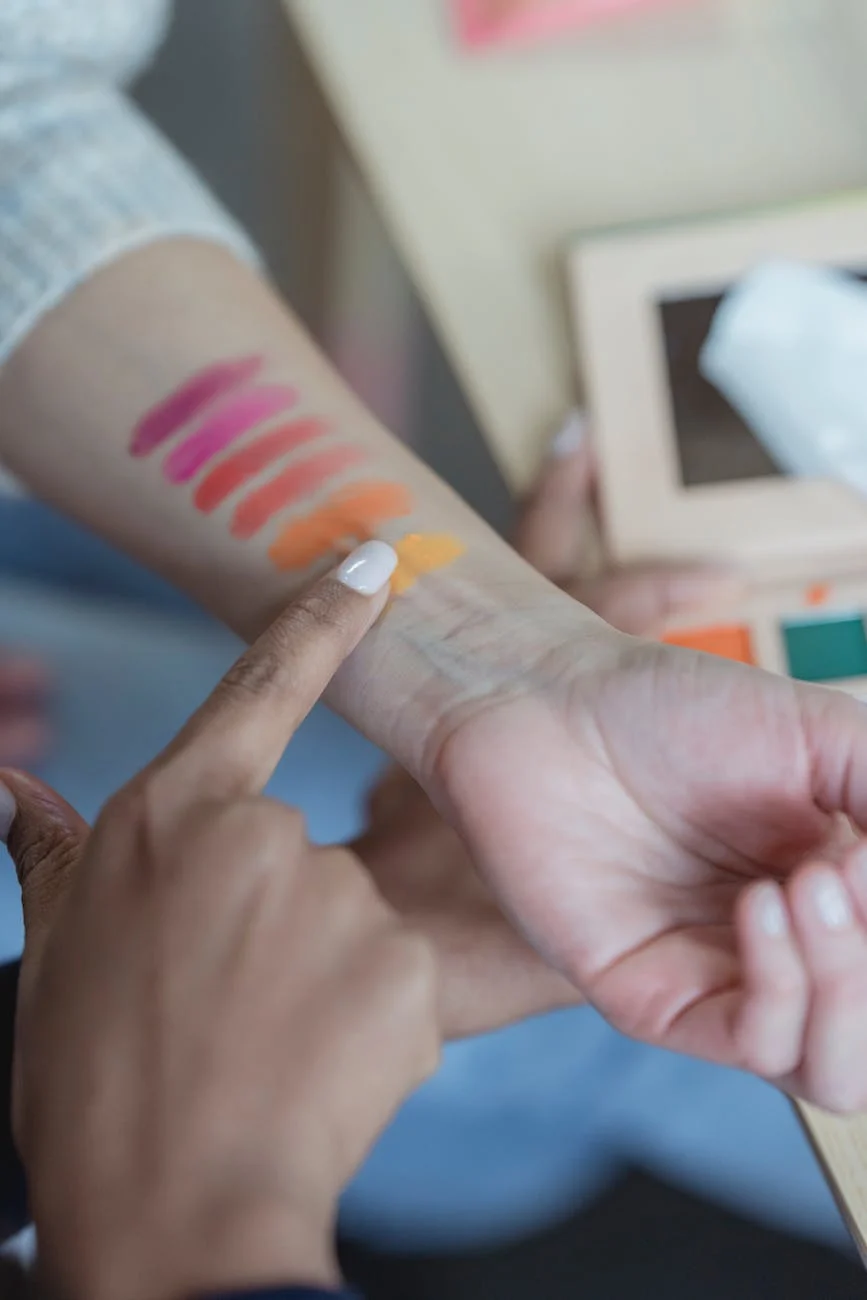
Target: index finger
232,744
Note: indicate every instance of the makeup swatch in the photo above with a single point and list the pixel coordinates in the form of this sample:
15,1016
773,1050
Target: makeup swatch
190,400
421,553
492,22
214,409
290,487
231,474
230,421
345,519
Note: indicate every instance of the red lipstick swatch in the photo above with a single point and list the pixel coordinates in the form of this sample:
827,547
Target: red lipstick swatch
245,464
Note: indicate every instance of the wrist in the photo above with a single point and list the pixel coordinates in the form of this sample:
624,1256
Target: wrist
487,630
224,1253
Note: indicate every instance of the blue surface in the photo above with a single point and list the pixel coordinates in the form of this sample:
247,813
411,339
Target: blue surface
517,1127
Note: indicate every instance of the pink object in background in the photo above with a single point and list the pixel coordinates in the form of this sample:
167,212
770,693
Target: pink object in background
519,22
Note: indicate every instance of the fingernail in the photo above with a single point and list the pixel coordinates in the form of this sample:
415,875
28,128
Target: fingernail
772,913
570,437
7,812
368,569
832,903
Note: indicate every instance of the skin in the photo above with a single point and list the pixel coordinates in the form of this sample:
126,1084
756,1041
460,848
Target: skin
187,1124
490,975
644,814
801,983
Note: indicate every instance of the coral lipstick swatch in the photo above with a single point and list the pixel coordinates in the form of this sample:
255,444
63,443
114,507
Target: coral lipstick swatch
290,487
278,468
232,473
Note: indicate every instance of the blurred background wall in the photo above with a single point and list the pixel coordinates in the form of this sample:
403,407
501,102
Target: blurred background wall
232,91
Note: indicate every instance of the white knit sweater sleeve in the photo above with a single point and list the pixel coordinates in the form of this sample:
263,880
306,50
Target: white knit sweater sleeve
84,177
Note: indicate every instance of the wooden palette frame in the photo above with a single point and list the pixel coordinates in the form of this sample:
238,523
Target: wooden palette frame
799,527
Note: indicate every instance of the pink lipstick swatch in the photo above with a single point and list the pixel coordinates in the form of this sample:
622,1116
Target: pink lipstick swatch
230,421
238,469
188,401
295,483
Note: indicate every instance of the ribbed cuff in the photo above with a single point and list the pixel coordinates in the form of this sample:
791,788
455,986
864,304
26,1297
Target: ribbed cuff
87,181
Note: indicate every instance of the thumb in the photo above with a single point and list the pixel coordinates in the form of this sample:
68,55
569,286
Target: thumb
45,838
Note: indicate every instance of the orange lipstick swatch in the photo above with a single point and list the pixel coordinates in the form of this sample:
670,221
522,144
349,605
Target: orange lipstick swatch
421,553
236,470
345,519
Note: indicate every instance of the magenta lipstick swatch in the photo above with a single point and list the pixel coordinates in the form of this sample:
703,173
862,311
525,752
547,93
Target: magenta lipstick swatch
190,400
228,422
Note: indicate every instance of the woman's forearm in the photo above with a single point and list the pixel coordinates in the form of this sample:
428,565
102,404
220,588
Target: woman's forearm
172,404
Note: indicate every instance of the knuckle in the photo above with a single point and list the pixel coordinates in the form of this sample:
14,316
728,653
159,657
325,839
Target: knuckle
785,986
129,807
321,609
349,891
253,673
405,965
345,906
260,835
43,856
277,833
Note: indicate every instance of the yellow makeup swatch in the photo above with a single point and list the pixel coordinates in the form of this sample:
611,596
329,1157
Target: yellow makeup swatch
421,553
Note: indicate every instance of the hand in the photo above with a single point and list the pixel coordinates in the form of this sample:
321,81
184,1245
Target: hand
215,1019
664,826
489,974
23,688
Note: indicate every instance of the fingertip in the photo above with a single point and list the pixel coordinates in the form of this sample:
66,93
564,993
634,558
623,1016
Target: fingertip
369,569
765,911
821,902
570,438
31,797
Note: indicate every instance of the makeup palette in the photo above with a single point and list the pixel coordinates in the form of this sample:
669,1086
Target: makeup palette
682,476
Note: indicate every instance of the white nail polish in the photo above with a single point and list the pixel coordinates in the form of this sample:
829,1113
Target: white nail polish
7,812
832,903
772,913
368,569
570,437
